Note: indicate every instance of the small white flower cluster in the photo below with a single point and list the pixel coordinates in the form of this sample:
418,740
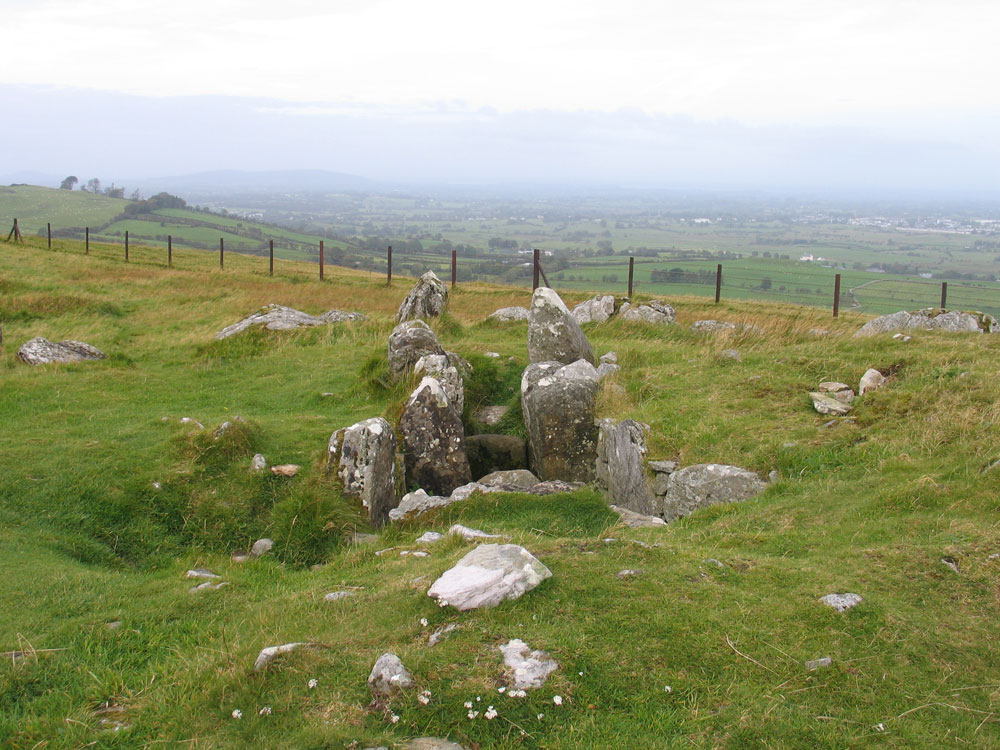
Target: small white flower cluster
557,699
313,683
517,693
442,602
472,714
394,718
423,622
237,714
266,711
424,698
668,689
490,713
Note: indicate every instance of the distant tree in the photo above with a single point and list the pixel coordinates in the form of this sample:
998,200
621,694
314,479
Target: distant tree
135,195
94,185
765,283
68,183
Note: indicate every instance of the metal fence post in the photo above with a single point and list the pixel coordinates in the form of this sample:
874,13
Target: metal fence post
170,251
271,262
49,226
534,276
454,267
222,253
321,250
718,283
87,245
944,293
388,267
836,295
126,246
631,268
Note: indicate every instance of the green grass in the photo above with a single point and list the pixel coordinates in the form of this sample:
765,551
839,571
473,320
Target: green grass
869,506
35,206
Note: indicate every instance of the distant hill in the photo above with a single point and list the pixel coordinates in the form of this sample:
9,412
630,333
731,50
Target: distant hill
203,184
34,206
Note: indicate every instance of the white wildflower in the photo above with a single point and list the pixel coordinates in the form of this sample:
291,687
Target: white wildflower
880,727
557,699
541,716
237,714
424,697
313,683
580,673
442,602
394,718
423,622
668,689
472,714
490,713
517,693
266,711
468,704
501,689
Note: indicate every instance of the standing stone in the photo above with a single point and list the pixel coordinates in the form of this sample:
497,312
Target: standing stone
433,440
596,310
439,366
558,403
621,453
40,351
408,342
427,299
553,333
872,380
364,458
702,485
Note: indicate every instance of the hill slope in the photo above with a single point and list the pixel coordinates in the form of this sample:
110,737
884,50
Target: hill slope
706,648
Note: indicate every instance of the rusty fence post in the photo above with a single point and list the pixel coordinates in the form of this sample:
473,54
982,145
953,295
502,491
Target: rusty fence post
718,283
271,261
126,246
86,250
321,251
836,295
454,267
49,226
631,269
944,293
388,267
534,275
222,253
170,251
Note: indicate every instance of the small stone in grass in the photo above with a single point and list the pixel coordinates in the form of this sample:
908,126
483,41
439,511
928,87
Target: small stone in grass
630,572
841,602
285,470
814,664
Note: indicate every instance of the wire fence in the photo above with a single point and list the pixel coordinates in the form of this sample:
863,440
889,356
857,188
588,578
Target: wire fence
818,288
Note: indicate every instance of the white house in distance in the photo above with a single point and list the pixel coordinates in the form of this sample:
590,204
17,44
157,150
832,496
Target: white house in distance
809,258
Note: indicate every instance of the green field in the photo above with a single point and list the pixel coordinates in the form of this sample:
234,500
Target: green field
705,649
36,206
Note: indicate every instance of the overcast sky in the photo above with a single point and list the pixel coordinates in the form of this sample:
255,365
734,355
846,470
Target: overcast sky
903,72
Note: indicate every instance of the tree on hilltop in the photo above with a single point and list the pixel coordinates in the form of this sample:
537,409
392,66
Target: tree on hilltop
68,183
93,186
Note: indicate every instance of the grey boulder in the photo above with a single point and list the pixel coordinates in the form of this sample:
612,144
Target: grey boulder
281,318
840,391
487,576
553,333
433,440
930,319
653,311
824,403
40,351
558,402
637,520
427,299
522,479
595,310
872,380
621,467
363,456
703,485
408,342
510,314
389,676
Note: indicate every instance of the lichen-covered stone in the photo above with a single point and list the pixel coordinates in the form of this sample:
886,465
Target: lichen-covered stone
824,403
620,467
930,319
488,575
558,404
281,318
553,333
433,440
363,456
427,299
595,310
510,314
408,342
703,485
40,351
872,380
653,311
440,367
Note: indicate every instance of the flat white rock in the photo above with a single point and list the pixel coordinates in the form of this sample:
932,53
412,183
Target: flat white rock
471,534
841,602
488,575
528,668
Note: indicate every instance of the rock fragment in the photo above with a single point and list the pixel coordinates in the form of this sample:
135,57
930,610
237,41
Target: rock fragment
528,669
41,351
553,333
489,575
389,676
841,602
427,299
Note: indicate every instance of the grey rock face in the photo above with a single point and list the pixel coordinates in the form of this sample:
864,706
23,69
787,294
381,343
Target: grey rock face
824,403
336,596
41,351
605,369
488,575
522,479
471,535
732,354
841,602
872,380
364,458
258,464
429,537
595,310
554,487
558,403
427,299
439,366
621,454
491,415
431,743
814,664
433,440
417,503
267,655
281,318
408,342
653,311
553,333
389,676
702,485
840,391
711,326
488,453
611,358
528,669
930,319
510,314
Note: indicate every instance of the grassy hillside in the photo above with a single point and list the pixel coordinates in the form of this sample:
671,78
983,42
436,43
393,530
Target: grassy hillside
35,206
689,654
